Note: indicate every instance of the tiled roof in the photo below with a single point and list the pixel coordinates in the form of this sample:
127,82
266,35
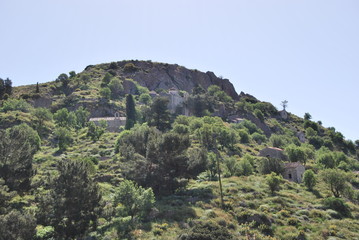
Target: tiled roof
276,148
292,165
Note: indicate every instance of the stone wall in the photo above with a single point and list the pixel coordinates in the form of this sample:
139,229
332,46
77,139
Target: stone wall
113,123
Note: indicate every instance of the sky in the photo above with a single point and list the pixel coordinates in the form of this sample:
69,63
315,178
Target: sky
302,51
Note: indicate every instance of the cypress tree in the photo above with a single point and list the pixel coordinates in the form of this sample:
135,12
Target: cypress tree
130,112
37,87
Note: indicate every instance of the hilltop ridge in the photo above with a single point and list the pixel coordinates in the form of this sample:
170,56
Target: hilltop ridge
154,75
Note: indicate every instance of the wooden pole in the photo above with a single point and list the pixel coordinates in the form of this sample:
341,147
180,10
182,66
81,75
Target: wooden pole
218,170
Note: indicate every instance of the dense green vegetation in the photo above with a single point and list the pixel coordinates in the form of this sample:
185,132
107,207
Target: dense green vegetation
65,177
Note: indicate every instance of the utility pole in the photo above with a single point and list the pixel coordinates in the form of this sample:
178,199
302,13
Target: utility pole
218,169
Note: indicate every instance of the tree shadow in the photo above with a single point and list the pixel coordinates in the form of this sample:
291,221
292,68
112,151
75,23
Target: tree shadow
316,193
178,207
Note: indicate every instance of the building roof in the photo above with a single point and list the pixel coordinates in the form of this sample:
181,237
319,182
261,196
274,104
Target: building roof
107,119
292,165
278,149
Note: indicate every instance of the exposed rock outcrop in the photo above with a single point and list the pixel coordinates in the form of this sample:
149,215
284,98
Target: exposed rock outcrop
166,76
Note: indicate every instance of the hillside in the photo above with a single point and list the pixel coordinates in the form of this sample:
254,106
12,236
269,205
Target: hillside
145,150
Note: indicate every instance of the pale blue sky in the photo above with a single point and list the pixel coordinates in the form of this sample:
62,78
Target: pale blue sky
304,51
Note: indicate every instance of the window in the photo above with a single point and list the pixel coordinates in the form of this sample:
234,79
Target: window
290,176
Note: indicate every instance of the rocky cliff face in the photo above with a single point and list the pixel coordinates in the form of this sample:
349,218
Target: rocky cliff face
160,75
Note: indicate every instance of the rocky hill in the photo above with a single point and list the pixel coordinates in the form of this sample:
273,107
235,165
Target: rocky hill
145,150
166,76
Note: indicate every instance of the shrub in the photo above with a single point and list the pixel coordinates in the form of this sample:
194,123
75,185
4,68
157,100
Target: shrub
295,153
259,138
145,98
338,205
244,136
277,140
15,105
245,167
309,179
274,181
207,231
268,165
130,67
258,113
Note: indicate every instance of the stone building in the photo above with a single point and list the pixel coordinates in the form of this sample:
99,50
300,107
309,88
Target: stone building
273,152
293,172
301,136
113,123
283,114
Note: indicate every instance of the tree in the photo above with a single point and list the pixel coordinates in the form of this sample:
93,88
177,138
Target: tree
105,93
135,201
295,153
106,79
357,143
81,117
64,79
284,104
42,115
17,225
205,135
64,138
94,131
326,159
307,116
2,88
245,167
76,199
154,159
336,180
244,136
17,148
8,86
159,114
197,160
61,117
130,112
116,88
309,179
37,87
72,74
274,181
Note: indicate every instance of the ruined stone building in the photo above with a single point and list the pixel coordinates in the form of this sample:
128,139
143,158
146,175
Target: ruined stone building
273,152
293,172
113,123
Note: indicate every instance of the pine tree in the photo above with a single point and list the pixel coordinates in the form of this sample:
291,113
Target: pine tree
130,112
159,115
76,199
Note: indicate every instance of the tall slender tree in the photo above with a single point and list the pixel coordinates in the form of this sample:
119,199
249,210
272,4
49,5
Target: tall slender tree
130,112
